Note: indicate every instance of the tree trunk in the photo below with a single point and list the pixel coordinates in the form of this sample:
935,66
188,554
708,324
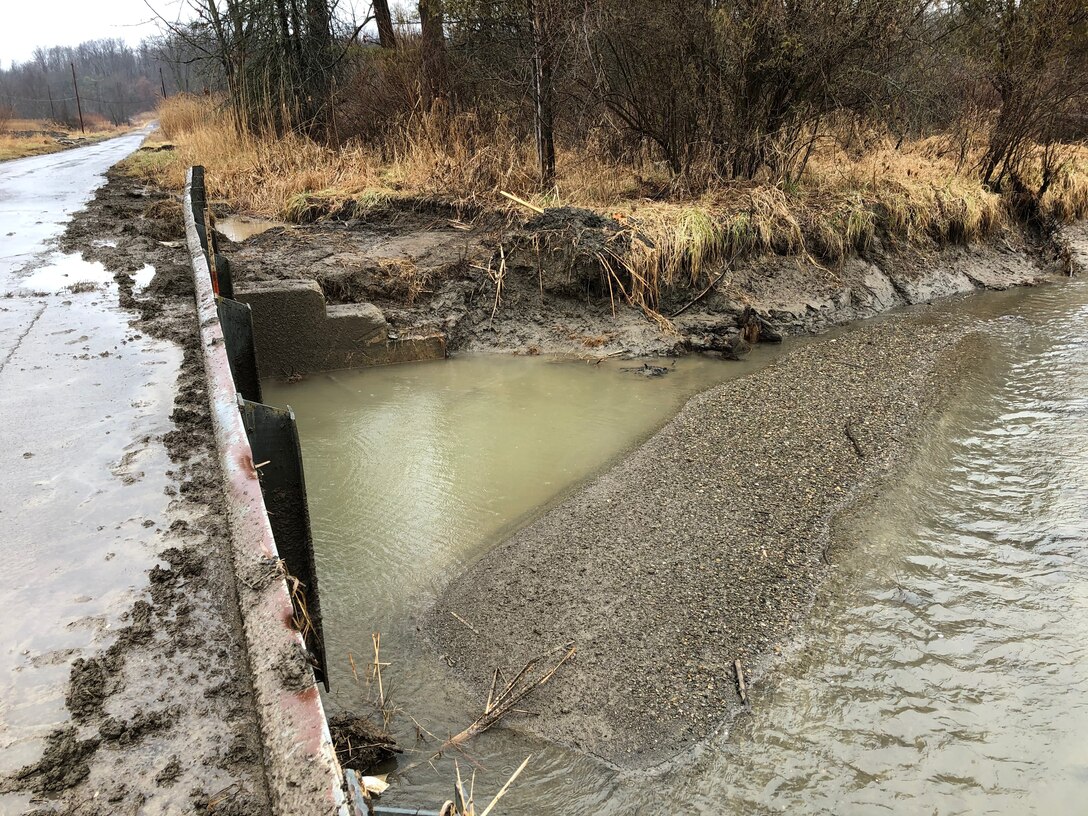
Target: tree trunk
432,25
542,92
386,37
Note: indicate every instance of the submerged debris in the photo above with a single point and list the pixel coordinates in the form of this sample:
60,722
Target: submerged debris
361,744
647,370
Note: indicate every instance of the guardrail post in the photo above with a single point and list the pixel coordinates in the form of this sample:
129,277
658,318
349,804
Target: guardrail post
222,278
277,455
237,322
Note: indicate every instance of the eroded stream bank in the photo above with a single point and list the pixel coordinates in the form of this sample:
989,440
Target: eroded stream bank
864,707
560,779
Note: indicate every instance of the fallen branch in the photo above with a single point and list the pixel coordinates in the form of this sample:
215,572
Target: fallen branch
522,202
699,296
498,705
742,689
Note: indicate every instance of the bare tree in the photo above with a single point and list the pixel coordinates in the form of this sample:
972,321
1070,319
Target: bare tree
433,35
386,36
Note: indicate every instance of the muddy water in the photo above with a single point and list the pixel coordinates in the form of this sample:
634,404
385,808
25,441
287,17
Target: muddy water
238,228
945,669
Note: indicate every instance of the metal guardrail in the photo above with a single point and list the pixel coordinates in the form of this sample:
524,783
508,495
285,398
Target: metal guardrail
273,436
301,768
272,455
237,322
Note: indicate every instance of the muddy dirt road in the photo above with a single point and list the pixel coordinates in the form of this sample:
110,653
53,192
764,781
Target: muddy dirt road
120,659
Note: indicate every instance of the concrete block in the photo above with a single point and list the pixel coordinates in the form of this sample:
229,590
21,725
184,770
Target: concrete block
296,333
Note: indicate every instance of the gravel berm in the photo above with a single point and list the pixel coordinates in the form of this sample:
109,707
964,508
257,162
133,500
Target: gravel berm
703,547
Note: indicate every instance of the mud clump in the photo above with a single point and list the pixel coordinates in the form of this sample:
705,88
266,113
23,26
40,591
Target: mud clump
127,732
564,247
64,764
361,744
170,773
86,689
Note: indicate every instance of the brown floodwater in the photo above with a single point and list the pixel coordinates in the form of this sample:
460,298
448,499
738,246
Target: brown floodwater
944,669
238,228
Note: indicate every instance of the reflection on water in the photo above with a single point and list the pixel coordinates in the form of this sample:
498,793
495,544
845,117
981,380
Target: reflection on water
945,669
60,271
238,227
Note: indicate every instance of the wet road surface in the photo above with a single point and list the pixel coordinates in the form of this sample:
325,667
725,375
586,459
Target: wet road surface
86,506
75,398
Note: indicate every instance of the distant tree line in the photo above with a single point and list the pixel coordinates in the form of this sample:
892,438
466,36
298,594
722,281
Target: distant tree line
711,90
116,81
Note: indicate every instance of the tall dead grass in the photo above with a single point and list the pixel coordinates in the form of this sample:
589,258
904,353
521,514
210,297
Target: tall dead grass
923,192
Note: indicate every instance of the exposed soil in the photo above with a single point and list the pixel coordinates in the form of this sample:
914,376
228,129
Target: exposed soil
706,545
432,272
163,714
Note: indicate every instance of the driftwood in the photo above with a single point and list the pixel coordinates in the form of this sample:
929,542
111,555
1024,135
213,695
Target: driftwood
742,689
501,702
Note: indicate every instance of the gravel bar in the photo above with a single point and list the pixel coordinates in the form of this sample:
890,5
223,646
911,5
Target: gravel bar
703,547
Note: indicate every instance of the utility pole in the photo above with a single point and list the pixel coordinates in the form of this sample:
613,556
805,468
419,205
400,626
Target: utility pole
163,81
79,105
52,113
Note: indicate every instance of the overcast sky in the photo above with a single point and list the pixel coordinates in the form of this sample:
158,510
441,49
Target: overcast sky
28,24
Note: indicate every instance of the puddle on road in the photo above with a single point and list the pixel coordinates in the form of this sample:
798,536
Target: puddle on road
239,227
141,279
61,271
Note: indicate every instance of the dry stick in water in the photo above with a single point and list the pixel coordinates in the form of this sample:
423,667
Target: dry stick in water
376,637
741,687
505,702
506,787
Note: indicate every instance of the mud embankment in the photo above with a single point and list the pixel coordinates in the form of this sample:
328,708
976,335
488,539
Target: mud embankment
702,548
706,545
538,286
